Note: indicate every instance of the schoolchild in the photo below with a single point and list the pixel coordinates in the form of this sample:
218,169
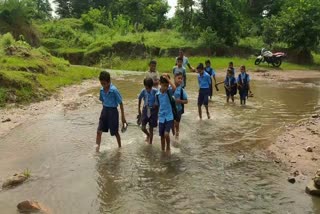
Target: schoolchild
243,82
109,117
166,114
181,98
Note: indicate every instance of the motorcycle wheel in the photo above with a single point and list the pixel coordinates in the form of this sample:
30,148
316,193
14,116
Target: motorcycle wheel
277,62
257,61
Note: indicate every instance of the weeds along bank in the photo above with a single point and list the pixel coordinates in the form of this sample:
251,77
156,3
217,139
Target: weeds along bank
30,74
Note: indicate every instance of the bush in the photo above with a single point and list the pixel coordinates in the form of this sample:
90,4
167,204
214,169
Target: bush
7,40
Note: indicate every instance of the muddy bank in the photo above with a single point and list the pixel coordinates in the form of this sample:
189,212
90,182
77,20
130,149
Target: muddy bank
299,146
292,75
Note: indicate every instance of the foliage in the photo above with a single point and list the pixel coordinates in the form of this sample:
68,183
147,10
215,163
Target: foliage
6,40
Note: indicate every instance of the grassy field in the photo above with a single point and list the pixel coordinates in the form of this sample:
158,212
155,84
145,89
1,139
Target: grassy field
165,64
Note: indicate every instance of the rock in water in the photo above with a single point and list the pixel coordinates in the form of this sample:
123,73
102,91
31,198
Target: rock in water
312,189
29,206
292,180
14,180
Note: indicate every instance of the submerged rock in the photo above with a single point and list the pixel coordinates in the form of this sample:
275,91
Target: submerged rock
14,180
29,206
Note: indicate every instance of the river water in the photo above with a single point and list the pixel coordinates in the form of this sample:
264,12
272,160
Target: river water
218,165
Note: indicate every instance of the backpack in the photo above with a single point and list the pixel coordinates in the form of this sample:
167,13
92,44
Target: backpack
181,98
173,105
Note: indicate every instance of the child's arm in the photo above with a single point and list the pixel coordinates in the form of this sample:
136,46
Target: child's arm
123,119
166,76
181,101
139,107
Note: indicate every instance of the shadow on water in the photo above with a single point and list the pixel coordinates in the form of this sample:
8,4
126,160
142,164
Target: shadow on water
217,166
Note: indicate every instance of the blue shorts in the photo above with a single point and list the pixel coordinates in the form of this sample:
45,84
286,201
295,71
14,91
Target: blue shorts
109,119
165,127
203,98
152,120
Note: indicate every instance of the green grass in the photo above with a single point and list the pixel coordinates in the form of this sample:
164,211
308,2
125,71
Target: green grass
165,64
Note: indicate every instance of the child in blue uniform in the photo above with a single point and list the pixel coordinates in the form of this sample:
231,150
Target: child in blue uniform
109,118
230,84
204,81
149,112
165,114
243,85
212,74
181,98
180,69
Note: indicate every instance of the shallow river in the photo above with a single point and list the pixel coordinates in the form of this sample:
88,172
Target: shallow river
218,166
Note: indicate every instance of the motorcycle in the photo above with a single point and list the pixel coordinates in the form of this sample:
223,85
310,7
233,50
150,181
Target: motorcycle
271,58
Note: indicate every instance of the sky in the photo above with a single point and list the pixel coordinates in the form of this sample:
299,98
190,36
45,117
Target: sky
172,4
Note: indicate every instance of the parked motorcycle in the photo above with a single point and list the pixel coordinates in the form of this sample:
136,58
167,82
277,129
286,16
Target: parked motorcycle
271,58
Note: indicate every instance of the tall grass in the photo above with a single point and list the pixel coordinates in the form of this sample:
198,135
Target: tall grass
165,64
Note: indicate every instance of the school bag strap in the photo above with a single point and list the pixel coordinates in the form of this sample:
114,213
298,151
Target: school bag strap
173,106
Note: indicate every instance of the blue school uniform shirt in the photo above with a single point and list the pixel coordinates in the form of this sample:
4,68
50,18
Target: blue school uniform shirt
112,98
182,70
229,81
242,76
177,95
165,109
149,98
204,80
210,71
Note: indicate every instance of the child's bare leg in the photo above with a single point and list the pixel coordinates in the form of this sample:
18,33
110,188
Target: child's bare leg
150,135
228,99
98,140
177,127
232,98
144,129
163,143
118,139
208,114
200,112
167,138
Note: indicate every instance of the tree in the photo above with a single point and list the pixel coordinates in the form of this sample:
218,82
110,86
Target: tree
299,27
222,18
63,8
185,14
15,17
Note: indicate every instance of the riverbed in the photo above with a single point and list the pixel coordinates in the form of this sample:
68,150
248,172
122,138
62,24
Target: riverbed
217,166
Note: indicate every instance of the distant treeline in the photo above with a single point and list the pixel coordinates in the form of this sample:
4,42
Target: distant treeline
294,23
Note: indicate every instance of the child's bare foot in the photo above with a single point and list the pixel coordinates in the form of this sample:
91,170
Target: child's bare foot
147,140
208,116
97,148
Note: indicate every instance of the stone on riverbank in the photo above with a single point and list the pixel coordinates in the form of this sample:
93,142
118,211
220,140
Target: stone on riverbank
29,206
14,180
312,189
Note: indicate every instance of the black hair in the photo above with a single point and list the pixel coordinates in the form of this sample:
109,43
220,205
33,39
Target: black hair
163,80
153,62
104,76
179,59
208,61
178,74
200,66
230,63
148,82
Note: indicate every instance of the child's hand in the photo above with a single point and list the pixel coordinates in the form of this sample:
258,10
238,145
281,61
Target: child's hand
123,119
166,76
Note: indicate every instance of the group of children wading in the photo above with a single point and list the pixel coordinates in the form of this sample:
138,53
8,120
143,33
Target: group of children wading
164,99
